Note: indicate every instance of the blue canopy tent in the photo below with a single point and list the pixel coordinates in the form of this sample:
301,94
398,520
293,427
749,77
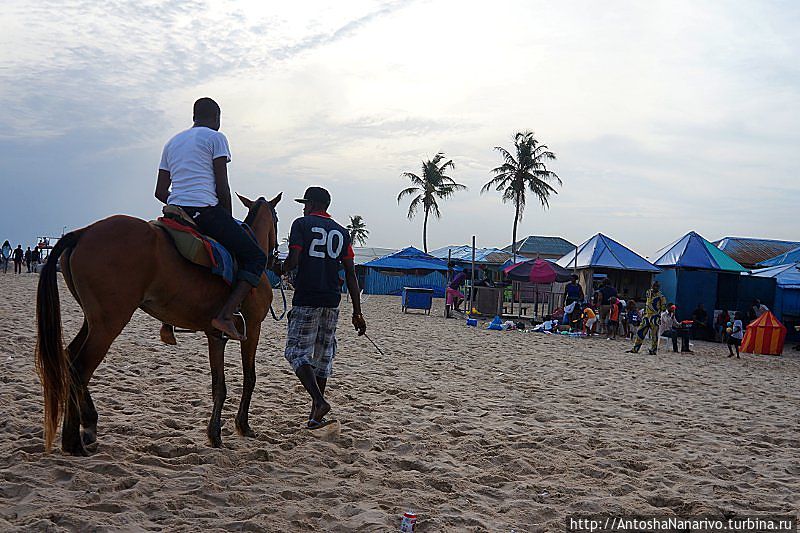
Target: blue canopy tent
786,306
694,271
407,268
602,257
786,258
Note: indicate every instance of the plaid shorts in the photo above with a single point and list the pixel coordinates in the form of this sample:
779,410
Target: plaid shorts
311,339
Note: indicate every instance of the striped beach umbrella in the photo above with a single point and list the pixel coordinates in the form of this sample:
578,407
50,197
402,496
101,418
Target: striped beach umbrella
764,335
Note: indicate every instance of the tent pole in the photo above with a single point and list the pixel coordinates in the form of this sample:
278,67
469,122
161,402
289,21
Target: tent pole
472,280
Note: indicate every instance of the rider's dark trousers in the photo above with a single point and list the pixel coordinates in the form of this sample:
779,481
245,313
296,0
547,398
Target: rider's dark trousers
218,224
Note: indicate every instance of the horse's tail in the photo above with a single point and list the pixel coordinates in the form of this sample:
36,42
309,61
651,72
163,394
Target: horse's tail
52,361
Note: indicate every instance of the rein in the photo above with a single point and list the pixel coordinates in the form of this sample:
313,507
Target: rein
272,257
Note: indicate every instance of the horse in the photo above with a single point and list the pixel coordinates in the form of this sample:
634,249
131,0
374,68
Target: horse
140,268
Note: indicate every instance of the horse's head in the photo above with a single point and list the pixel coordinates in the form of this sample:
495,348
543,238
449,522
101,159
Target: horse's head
264,223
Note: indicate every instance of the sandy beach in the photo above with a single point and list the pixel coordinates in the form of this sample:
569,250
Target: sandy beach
474,430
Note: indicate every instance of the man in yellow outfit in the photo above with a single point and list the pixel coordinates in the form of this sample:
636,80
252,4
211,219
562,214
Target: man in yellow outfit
656,304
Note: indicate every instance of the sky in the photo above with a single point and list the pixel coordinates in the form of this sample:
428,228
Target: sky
665,116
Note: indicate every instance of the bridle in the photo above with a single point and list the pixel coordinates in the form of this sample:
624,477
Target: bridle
272,256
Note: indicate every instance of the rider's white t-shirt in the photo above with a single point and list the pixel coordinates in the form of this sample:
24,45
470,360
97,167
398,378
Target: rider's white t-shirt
188,157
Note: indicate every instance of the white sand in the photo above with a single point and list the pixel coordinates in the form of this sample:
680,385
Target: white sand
475,430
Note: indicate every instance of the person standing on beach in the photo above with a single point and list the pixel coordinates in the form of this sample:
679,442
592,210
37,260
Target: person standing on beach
318,247
18,255
193,175
656,304
607,291
27,259
6,255
736,334
573,292
36,257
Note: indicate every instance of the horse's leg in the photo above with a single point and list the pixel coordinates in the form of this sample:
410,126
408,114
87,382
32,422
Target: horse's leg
249,379
79,405
216,357
87,411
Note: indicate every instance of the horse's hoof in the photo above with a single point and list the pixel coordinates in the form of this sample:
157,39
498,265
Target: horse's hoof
244,430
77,451
89,437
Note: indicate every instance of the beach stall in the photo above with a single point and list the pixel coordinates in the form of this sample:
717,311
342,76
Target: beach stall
490,260
765,335
409,267
602,257
695,271
750,252
786,305
538,283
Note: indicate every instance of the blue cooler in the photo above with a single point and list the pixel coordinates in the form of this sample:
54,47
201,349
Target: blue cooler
417,298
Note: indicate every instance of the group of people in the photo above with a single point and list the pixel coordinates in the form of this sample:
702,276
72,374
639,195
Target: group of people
607,311
18,256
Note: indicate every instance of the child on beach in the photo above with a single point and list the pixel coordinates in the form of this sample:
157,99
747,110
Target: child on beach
589,320
633,319
613,317
735,334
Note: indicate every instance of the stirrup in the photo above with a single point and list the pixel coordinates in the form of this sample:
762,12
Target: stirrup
223,336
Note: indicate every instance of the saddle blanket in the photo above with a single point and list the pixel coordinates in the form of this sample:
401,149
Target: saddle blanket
199,249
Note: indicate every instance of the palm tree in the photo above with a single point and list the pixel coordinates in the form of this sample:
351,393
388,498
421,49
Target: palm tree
358,230
525,172
433,185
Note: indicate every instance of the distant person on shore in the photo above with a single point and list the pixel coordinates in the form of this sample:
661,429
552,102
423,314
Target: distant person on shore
453,296
655,304
735,333
573,292
720,324
671,328
633,319
36,257
607,291
27,259
589,320
318,246
700,322
759,308
18,256
193,175
5,255
613,317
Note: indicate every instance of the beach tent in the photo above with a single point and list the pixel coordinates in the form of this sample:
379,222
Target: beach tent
693,251
764,335
792,256
409,267
694,271
602,256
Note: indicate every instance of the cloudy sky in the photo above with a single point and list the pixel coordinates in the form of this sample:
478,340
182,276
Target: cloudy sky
665,116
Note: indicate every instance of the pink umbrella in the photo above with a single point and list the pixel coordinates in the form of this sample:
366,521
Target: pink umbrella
536,271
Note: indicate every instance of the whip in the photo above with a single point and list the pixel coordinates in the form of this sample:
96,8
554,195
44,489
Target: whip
373,343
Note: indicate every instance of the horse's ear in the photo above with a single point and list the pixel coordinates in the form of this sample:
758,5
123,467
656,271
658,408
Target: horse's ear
275,200
247,202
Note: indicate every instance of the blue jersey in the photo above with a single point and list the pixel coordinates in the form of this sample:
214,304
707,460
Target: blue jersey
322,244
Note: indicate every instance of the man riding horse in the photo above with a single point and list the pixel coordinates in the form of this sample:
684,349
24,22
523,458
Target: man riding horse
194,164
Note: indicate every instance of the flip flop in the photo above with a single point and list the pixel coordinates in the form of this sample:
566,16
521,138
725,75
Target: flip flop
313,424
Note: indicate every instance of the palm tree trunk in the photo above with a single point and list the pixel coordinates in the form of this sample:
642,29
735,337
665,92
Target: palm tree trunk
425,232
514,236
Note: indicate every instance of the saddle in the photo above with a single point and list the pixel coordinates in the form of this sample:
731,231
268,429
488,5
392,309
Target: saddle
199,249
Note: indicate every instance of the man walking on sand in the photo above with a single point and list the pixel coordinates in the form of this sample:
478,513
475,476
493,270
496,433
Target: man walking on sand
318,246
656,304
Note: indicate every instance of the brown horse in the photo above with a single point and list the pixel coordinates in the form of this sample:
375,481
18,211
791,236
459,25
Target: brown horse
113,267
